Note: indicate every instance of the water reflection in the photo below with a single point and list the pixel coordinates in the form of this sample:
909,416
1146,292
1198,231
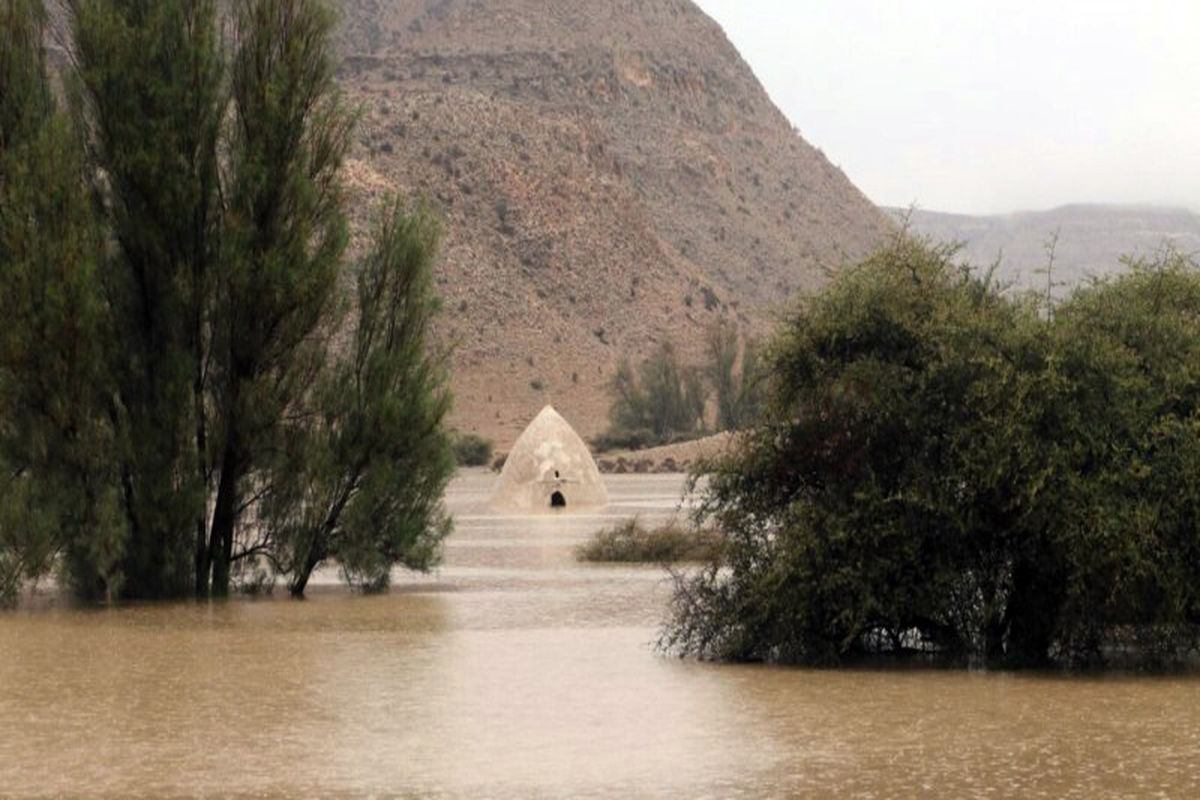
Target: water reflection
517,673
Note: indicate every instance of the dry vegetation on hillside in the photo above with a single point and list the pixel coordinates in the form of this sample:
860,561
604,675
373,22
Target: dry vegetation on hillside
611,173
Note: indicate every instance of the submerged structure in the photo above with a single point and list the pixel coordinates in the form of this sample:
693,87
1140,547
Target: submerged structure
549,467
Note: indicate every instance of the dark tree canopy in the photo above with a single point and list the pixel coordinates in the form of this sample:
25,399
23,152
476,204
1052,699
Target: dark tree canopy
171,262
58,484
943,469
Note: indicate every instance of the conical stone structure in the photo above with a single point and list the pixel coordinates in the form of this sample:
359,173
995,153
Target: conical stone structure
549,467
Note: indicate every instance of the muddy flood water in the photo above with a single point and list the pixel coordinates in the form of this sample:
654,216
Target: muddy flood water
514,672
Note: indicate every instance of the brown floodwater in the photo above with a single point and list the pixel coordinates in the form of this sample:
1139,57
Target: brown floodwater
514,672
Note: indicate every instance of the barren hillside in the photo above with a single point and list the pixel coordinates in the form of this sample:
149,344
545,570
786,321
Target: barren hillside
611,174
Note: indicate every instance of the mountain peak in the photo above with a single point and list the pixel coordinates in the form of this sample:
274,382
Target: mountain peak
612,175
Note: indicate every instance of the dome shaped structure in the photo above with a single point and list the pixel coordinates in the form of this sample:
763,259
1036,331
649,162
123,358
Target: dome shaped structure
549,467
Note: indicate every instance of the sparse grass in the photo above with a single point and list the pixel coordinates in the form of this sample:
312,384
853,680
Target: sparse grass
631,542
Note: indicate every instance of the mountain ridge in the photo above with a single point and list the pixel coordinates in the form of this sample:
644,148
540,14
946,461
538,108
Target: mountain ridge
612,175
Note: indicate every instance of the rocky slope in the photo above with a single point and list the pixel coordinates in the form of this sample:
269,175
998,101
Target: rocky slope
1091,239
611,174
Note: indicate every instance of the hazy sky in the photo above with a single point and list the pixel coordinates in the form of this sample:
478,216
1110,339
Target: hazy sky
982,107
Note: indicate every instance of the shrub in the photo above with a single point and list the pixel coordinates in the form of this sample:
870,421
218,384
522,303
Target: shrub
472,450
623,440
631,542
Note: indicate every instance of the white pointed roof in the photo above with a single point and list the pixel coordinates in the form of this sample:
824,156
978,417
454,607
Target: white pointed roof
549,458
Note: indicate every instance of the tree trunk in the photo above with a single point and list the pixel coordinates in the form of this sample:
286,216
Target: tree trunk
220,543
203,559
203,554
993,642
300,582
1031,617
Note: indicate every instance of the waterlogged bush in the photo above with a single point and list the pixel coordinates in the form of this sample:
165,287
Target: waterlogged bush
941,469
672,542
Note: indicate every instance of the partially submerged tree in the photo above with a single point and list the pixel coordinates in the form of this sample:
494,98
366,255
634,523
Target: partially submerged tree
149,87
57,482
362,481
283,242
941,469
167,336
1128,524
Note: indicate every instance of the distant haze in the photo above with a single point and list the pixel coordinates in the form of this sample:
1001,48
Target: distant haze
1089,241
974,107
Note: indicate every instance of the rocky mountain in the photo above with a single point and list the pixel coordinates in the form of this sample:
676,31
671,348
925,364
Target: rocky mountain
611,174
1091,239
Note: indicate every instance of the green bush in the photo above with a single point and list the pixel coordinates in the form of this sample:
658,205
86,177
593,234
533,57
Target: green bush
943,470
472,450
671,542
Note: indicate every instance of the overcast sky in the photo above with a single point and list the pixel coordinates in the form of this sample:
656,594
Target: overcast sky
987,107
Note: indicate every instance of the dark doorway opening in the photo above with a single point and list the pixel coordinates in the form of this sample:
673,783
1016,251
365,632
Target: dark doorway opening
557,500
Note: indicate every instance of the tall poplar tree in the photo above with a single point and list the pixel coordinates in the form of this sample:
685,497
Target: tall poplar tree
151,91
284,239
214,157
57,485
362,480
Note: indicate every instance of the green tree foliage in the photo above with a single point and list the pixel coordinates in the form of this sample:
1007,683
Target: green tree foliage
942,469
662,397
1128,531
150,86
663,400
171,259
284,235
57,485
364,483
738,393
26,104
